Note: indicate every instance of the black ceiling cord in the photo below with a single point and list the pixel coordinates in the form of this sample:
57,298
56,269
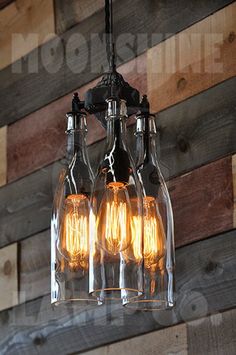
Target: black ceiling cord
110,47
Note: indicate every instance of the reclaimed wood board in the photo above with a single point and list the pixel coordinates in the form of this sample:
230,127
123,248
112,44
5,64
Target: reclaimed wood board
8,277
213,335
70,12
26,25
63,65
206,284
193,60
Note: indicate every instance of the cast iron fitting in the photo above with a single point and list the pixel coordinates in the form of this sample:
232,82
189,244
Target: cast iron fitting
116,109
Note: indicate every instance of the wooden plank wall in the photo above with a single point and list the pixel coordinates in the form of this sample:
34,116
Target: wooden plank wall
183,55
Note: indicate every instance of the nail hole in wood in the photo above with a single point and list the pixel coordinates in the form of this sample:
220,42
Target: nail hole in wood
7,268
39,340
181,83
231,37
183,145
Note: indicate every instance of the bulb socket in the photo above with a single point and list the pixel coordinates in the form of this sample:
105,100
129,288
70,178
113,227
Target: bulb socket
116,108
76,122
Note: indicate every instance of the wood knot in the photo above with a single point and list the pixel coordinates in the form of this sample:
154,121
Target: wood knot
39,340
213,268
181,83
7,268
231,36
183,145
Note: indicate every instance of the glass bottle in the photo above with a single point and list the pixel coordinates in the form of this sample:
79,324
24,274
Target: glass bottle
116,262
158,242
70,219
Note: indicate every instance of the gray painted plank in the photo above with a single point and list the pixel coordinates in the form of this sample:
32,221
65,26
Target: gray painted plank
206,284
57,68
214,335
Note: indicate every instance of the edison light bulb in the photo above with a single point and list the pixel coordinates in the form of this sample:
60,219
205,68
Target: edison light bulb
74,243
113,225
154,235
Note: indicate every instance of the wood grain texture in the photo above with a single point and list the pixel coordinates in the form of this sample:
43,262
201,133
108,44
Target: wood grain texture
204,197
193,60
26,24
206,284
3,155
39,139
8,277
213,335
34,262
166,341
70,12
234,187
198,130
66,65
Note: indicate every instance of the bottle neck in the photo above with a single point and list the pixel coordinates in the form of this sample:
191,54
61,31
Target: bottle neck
76,144
116,133
146,141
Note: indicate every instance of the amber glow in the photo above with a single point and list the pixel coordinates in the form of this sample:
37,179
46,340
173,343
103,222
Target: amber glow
75,231
154,235
113,227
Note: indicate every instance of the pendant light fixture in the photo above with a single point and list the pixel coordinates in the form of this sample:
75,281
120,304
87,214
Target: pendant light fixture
112,235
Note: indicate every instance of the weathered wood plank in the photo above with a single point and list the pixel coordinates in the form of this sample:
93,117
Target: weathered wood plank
39,139
26,24
3,155
206,284
26,205
34,264
193,60
70,12
199,129
171,340
60,62
204,197
8,277
213,335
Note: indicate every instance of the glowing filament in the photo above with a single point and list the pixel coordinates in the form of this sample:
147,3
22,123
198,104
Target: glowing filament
75,231
114,231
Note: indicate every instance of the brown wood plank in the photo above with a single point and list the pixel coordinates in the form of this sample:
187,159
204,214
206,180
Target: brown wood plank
206,284
70,12
203,201
204,197
65,68
39,139
26,25
8,277
213,335
193,60
3,155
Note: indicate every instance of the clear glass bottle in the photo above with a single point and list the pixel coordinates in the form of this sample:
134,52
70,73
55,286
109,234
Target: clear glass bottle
70,219
158,243
116,262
